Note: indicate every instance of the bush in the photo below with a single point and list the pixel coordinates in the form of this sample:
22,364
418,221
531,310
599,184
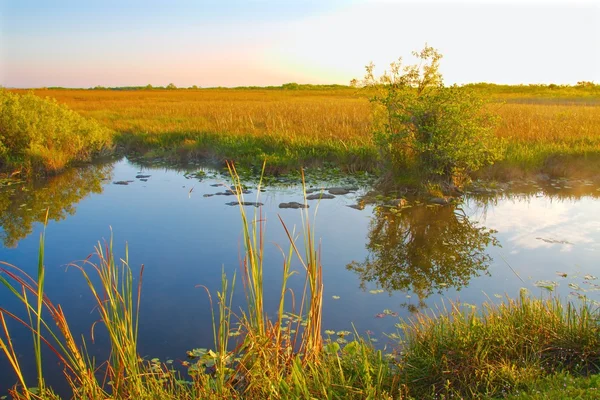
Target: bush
40,135
440,133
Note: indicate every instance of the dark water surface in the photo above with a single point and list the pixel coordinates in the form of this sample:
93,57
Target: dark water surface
377,262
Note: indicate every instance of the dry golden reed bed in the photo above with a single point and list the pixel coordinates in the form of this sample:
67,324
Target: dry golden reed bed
314,115
541,132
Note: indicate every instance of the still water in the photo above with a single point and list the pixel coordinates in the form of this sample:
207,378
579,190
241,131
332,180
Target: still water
379,264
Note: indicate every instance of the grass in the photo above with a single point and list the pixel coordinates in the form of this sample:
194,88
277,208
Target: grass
288,128
40,135
561,386
499,349
558,139
547,129
512,348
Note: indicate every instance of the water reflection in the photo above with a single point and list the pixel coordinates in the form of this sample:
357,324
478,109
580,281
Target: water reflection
555,189
424,249
23,204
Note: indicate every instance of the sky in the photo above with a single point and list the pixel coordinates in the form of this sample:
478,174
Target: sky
271,42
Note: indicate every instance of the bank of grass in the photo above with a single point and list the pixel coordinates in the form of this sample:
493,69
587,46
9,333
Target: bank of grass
499,349
40,135
519,347
548,129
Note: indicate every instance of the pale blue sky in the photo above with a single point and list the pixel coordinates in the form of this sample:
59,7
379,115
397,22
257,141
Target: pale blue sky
233,43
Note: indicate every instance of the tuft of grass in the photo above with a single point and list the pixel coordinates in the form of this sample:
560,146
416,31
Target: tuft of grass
561,386
498,349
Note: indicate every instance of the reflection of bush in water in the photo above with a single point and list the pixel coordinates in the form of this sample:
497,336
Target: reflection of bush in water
23,205
424,249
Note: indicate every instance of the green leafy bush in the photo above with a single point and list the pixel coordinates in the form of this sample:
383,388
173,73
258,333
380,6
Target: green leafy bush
39,135
421,126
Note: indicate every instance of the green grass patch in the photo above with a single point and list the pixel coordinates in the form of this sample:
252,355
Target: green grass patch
498,349
561,386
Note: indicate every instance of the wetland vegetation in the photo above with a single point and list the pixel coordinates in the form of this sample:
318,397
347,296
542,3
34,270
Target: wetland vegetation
516,347
546,129
39,135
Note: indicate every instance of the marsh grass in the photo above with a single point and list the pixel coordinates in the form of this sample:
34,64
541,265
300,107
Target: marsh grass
551,129
559,139
498,349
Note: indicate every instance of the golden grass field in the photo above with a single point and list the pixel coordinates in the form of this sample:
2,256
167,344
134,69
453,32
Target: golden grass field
293,126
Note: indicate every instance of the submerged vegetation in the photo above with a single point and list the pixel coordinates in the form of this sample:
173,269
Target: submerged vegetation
40,135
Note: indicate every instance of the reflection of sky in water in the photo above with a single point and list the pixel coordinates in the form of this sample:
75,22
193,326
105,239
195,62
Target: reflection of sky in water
543,223
542,237
186,240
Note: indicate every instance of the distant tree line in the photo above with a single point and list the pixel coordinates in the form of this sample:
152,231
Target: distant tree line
584,86
171,86
532,88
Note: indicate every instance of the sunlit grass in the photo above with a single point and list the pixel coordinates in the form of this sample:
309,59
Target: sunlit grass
286,128
498,349
555,138
40,135
546,130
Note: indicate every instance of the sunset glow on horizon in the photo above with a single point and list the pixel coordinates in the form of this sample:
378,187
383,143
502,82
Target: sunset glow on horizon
260,43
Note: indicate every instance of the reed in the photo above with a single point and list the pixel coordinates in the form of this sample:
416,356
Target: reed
272,358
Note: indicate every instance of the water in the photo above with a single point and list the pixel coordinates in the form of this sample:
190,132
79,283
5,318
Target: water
378,264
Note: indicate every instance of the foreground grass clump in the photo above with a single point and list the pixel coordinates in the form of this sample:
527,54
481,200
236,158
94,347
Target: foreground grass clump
42,136
499,350
561,386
